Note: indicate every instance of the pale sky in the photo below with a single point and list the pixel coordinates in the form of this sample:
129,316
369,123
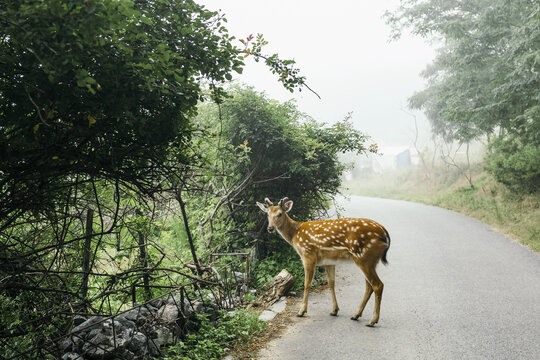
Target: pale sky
343,49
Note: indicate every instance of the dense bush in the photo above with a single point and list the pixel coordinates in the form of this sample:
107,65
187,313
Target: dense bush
280,152
516,165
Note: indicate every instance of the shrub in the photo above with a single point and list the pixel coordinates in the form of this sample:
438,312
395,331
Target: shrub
212,339
515,165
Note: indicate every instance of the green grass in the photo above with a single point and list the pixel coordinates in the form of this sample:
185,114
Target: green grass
215,338
515,215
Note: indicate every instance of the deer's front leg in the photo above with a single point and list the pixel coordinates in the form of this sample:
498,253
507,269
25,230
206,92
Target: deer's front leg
331,275
309,271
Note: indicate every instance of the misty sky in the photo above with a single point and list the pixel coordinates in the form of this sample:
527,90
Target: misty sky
343,49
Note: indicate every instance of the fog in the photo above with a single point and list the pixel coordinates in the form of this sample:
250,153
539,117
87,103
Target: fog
343,49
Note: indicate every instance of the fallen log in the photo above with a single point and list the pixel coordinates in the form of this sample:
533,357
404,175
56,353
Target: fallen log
283,282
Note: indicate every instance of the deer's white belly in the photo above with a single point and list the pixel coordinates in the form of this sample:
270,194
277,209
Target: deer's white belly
333,256
334,261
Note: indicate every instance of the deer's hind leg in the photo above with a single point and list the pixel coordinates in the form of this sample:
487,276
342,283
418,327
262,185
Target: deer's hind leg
367,295
367,264
377,285
331,275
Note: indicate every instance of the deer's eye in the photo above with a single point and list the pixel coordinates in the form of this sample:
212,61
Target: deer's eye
279,215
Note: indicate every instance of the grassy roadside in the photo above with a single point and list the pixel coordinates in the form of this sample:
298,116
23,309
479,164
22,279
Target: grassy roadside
515,215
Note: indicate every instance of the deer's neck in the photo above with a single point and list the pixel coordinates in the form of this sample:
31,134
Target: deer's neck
288,229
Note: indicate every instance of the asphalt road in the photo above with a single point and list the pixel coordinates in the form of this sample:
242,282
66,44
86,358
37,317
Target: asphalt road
454,289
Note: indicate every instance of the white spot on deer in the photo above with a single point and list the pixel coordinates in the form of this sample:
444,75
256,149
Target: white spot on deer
362,235
368,245
373,240
369,233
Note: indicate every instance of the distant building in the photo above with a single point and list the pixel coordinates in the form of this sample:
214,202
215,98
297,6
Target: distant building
390,158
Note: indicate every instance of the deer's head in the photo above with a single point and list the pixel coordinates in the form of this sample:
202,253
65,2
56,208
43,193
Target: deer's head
276,214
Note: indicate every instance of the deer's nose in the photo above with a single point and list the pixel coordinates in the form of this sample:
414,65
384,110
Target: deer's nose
270,229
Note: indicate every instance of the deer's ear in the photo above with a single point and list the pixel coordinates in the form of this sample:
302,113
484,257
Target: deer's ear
287,206
262,207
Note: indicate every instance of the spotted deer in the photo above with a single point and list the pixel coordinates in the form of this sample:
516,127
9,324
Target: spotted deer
327,242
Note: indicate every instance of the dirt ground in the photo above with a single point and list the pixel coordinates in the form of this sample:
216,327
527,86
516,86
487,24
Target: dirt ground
274,328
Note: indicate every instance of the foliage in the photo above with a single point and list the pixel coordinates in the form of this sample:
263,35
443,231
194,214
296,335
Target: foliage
100,89
100,144
486,75
95,102
212,338
270,149
515,164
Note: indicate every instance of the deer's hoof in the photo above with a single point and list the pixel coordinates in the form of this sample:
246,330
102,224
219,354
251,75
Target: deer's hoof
333,313
355,318
371,324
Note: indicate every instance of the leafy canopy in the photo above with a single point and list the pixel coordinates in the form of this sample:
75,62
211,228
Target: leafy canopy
101,88
485,79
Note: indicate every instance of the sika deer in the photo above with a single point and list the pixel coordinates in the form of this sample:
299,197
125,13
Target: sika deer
326,242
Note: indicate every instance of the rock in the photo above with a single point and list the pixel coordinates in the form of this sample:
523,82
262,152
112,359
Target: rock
101,353
150,308
78,343
118,326
138,343
137,315
267,315
146,310
78,320
99,339
127,333
196,306
153,348
92,323
94,333
125,322
167,313
231,303
279,306
157,303
172,299
72,356
164,336
239,276
67,344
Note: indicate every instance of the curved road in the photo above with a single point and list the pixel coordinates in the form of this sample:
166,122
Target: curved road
454,289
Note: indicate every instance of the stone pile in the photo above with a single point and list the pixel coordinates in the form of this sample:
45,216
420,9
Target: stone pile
136,334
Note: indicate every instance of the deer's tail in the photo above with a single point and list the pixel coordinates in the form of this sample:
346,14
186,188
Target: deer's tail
387,238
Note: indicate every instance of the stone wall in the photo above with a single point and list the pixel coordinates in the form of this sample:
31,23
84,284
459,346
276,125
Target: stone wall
139,333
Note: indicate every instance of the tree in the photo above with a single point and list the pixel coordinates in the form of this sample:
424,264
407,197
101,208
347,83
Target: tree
486,75
100,89
268,149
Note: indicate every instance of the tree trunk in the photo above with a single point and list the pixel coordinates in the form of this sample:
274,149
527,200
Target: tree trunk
143,259
188,232
86,253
